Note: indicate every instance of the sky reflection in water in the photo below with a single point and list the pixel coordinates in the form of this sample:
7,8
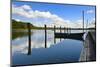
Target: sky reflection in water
65,51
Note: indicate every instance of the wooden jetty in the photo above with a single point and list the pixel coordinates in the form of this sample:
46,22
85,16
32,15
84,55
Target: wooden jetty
77,36
92,46
67,34
89,51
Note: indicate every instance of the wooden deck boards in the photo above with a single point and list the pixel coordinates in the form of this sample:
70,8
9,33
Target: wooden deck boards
89,51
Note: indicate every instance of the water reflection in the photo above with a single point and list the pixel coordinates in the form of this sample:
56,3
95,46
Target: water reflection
20,43
67,50
19,34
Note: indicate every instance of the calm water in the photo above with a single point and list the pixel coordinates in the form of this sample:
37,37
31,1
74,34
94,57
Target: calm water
67,50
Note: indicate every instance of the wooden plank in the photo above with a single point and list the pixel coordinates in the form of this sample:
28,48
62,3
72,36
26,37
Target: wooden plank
89,51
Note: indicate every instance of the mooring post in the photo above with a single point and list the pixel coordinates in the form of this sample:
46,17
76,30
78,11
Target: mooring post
54,34
29,38
45,36
60,32
70,30
64,29
67,30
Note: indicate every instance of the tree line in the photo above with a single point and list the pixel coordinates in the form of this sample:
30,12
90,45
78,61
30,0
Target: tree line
20,25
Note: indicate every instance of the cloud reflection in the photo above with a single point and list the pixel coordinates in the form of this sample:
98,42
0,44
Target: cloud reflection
21,44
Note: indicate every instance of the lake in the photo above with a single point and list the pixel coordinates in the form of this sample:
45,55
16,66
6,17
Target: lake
66,50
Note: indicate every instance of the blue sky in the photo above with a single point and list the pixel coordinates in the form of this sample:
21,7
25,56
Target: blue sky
73,13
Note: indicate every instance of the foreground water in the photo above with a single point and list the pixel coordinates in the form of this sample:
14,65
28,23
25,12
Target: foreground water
66,50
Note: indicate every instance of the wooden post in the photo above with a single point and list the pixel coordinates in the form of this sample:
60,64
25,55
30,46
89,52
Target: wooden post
83,20
70,30
64,30
45,36
29,38
60,29
60,32
67,30
54,34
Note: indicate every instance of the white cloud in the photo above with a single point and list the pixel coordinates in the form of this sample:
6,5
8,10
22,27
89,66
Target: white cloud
68,23
80,20
93,19
75,24
27,7
56,20
26,11
92,23
17,20
22,11
90,11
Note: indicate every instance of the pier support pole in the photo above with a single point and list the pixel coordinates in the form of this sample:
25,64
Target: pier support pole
54,34
67,30
64,30
60,32
29,38
45,36
70,30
